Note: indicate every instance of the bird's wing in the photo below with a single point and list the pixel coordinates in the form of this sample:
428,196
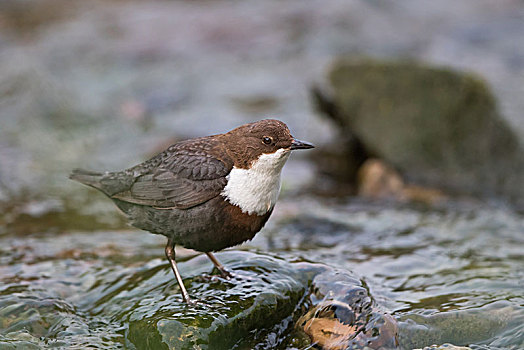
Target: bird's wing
181,177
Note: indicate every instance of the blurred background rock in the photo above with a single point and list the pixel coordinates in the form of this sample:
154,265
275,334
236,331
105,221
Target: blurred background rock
439,127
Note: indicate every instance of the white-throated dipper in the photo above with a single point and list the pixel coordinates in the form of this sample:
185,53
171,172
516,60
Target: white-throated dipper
207,193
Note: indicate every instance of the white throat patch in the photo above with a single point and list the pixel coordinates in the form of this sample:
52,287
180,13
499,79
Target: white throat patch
255,190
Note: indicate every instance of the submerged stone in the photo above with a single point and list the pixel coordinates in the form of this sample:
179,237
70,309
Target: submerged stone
345,316
262,292
457,327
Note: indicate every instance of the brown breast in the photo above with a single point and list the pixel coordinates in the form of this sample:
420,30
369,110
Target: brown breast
232,227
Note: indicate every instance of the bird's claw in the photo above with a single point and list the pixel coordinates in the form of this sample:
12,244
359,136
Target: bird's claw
226,274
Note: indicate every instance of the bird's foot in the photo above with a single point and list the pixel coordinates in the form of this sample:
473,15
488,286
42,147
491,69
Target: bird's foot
226,274
191,302
207,278
223,271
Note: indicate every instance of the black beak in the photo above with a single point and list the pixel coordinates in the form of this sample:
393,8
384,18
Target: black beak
297,144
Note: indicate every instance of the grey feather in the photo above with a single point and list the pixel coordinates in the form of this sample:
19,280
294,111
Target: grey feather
180,177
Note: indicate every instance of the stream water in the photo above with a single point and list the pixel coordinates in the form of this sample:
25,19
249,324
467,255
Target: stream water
451,274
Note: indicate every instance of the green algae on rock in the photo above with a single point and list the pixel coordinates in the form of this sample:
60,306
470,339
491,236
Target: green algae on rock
262,292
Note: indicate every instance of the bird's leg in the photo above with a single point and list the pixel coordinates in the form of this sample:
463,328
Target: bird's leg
225,273
170,253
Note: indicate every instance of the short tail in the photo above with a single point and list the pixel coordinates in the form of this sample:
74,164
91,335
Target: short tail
87,177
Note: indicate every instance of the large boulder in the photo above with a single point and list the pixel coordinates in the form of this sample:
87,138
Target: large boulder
438,127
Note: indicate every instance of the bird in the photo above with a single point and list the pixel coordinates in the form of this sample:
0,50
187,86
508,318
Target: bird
207,193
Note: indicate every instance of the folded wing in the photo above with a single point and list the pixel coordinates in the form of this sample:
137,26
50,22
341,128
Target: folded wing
181,177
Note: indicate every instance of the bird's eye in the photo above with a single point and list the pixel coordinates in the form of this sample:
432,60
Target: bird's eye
267,140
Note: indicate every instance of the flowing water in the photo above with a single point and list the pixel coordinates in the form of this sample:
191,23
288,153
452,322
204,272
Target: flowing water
450,274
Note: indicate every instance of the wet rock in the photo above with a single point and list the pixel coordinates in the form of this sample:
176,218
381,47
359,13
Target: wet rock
262,293
438,127
346,316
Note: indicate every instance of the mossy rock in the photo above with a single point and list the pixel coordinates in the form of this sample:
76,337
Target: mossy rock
262,293
437,126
